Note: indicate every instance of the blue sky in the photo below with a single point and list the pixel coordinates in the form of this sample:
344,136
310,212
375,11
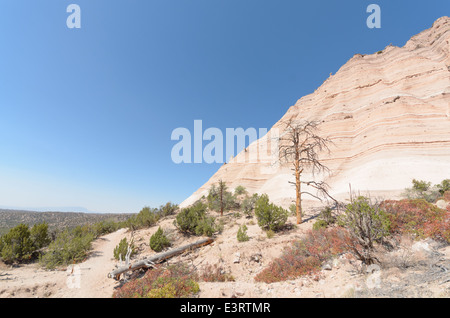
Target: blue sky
86,115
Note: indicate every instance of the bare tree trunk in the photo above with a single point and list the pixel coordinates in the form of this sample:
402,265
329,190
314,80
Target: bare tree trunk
298,202
158,258
221,201
302,145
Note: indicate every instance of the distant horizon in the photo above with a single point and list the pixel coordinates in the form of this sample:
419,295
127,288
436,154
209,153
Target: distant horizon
87,114
55,209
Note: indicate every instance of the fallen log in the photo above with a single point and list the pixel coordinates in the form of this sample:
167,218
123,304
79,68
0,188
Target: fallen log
158,258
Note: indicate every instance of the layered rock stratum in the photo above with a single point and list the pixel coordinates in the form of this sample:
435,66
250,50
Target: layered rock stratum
387,114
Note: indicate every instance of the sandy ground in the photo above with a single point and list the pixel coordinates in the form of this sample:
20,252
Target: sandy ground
427,273
84,280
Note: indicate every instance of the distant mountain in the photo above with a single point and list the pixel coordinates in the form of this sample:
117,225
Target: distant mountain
48,209
10,218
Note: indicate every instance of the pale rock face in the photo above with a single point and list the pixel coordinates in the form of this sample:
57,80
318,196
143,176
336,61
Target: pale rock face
388,115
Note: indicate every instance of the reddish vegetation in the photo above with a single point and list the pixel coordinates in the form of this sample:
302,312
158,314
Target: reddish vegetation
418,217
306,256
172,281
446,197
214,273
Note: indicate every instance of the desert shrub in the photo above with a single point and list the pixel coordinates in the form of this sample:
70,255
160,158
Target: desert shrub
159,241
446,196
213,198
147,217
423,190
293,209
214,273
40,236
248,204
207,226
269,216
421,185
17,244
444,186
239,190
122,249
70,246
270,234
305,257
367,223
104,227
418,217
168,209
242,233
193,220
320,224
175,281
229,200
325,219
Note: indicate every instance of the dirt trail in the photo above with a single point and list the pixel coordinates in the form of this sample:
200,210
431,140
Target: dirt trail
85,280
92,280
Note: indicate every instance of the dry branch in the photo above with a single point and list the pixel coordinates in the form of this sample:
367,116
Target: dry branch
158,258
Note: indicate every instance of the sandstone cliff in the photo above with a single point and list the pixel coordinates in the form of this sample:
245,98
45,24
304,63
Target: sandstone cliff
388,115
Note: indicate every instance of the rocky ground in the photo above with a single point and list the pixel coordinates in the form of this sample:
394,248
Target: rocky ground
414,269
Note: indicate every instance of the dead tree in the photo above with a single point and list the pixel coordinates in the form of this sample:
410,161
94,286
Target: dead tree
301,145
158,258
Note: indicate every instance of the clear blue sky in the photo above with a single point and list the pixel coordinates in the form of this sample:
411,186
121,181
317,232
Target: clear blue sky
86,115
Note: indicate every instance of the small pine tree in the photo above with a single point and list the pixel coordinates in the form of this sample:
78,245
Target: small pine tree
17,244
121,250
240,190
193,220
270,216
242,234
39,235
159,241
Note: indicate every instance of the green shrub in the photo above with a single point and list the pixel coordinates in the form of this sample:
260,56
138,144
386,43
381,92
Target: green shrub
206,226
17,244
242,233
147,217
444,186
269,216
167,209
159,241
40,236
293,209
70,246
248,204
270,234
121,250
325,219
104,227
228,199
240,190
320,224
424,190
193,220
367,223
